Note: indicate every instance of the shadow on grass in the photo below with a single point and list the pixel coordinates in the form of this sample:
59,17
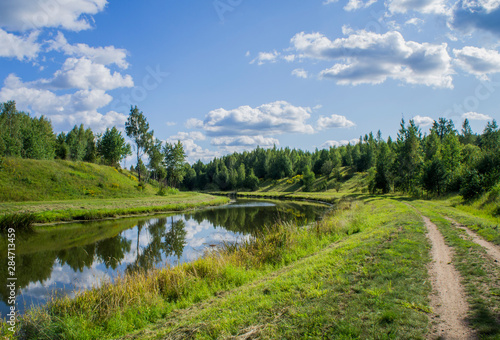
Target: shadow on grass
484,321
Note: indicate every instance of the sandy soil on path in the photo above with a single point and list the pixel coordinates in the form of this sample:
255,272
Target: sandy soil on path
492,249
448,301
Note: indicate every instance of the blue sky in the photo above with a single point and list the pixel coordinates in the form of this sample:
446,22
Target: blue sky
228,75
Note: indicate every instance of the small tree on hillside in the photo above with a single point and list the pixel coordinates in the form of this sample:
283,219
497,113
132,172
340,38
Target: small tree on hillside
137,128
112,147
174,162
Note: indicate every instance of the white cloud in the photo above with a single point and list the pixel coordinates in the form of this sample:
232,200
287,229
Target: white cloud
415,22
195,152
274,118
423,121
170,123
300,73
334,143
194,135
476,116
22,15
20,47
245,141
100,55
334,121
193,123
422,6
82,73
469,15
353,5
64,110
373,58
263,57
478,61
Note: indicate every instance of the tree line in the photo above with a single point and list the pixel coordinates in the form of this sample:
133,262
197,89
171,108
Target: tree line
442,161
29,137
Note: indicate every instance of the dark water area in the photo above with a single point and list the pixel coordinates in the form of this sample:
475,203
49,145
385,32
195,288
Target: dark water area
74,257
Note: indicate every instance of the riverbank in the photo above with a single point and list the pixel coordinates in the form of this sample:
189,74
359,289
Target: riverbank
97,209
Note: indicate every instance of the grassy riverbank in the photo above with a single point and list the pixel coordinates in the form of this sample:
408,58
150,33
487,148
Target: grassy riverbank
54,191
371,254
94,209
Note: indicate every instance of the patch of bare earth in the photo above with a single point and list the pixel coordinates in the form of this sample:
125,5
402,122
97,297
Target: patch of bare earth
448,301
492,249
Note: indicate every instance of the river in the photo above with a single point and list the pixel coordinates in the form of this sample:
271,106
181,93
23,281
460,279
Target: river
65,259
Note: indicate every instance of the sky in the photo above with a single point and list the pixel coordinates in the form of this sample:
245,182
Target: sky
230,75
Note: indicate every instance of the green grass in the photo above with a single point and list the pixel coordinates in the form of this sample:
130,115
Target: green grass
112,309
95,209
358,273
42,180
18,222
371,284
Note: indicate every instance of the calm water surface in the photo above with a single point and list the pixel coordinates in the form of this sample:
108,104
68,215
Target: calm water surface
68,258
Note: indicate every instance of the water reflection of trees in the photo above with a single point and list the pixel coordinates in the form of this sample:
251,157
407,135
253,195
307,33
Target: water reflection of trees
167,237
248,220
38,267
165,240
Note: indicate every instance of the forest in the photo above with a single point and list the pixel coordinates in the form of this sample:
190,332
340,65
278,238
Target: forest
444,160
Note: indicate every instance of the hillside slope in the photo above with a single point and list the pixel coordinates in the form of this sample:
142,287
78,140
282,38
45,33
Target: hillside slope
41,180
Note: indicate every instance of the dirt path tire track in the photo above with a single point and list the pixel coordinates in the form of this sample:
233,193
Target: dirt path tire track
491,249
449,301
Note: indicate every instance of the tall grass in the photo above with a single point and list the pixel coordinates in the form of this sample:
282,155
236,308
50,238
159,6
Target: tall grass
19,222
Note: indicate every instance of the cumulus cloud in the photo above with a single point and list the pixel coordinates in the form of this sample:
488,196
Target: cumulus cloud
334,121
82,73
422,6
100,55
478,61
274,118
469,15
423,121
245,141
20,47
64,110
475,116
22,15
373,58
300,73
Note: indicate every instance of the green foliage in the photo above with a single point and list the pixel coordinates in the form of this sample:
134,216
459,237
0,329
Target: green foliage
112,147
24,136
137,128
174,160
473,185
308,179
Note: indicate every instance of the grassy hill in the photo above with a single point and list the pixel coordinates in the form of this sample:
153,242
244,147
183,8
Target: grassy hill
42,180
40,191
